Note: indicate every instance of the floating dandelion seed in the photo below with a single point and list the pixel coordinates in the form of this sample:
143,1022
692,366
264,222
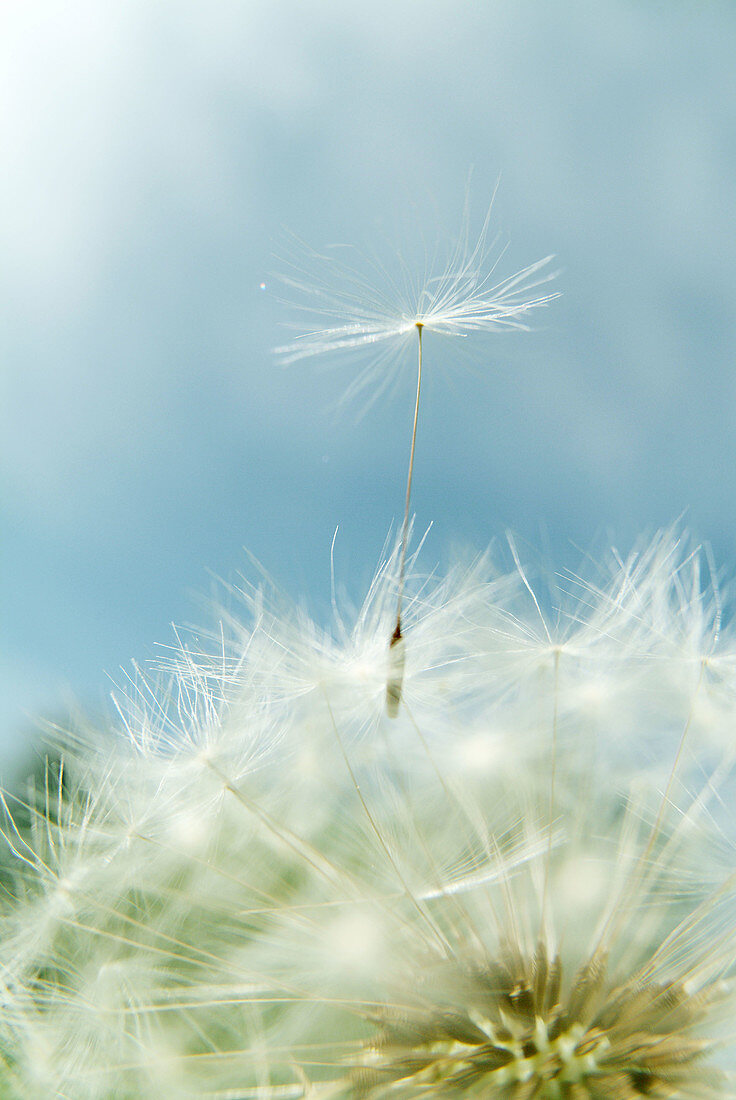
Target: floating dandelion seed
463,298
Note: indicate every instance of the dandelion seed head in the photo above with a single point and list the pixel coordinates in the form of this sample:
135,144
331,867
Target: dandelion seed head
520,886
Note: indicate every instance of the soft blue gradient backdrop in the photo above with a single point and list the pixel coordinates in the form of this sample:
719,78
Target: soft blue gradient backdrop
155,154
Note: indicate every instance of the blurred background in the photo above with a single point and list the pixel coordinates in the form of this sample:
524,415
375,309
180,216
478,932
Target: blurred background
156,157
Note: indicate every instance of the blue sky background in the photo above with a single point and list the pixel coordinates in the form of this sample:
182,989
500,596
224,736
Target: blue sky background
155,156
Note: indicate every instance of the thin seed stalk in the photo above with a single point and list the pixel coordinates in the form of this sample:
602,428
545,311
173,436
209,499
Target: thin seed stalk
396,645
